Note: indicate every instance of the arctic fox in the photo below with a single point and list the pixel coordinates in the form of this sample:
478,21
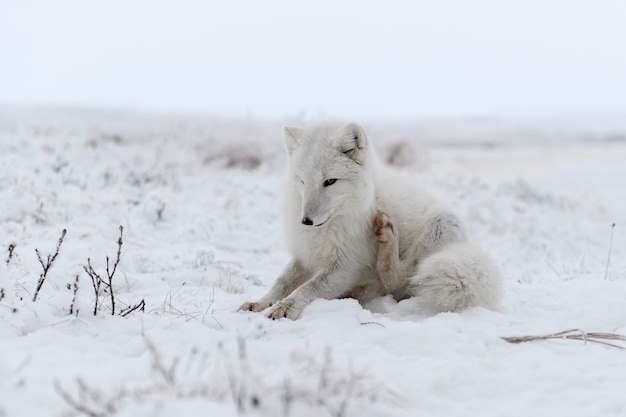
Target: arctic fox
357,228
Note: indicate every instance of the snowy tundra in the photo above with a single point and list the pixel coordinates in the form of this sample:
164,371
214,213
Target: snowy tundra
357,228
198,202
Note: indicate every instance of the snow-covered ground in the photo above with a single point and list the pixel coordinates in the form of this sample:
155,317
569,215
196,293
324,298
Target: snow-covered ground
197,199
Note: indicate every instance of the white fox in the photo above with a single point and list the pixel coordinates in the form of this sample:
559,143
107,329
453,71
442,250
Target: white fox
357,228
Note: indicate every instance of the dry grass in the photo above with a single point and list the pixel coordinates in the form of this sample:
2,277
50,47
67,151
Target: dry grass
574,334
313,382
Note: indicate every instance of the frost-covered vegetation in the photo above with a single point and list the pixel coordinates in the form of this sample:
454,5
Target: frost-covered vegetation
129,241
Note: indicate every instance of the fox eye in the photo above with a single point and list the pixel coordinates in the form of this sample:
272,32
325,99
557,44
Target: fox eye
330,182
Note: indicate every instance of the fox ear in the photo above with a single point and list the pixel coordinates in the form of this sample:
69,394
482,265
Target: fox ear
291,136
353,142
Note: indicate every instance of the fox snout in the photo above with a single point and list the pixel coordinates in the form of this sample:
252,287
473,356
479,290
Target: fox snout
313,211
307,221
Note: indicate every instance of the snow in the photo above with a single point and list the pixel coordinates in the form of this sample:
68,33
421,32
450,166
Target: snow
197,198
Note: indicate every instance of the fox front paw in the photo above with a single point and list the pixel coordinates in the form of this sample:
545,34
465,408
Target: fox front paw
383,228
255,306
284,309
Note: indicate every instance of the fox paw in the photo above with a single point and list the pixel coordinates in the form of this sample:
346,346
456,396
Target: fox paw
383,228
254,306
284,309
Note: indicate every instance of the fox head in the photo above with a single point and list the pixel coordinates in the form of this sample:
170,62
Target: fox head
331,170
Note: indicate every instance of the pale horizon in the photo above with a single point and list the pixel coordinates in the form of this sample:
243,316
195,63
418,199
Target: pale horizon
278,59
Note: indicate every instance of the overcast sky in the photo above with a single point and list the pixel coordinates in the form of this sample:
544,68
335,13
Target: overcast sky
357,59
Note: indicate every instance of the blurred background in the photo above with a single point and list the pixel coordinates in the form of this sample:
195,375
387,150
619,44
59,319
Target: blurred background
395,60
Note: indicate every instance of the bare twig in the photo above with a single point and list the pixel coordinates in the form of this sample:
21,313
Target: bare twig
168,374
11,249
373,322
287,397
13,309
322,386
112,273
343,406
74,291
141,306
96,281
573,334
608,260
159,213
77,405
240,388
47,265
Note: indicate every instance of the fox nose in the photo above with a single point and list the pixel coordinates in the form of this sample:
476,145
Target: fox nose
307,222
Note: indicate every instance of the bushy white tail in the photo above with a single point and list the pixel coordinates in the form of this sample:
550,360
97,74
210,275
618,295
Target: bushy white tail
457,277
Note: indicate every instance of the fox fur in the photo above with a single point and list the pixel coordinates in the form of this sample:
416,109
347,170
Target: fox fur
358,228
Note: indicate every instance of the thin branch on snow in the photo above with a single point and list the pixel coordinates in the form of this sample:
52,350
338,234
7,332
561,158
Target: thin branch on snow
112,273
373,322
287,397
608,260
573,334
78,405
74,288
47,265
141,306
168,374
97,281
11,248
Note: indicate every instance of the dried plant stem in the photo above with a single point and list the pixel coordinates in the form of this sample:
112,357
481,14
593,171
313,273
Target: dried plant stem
573,334
78,405
608,260
48,264
167,373
97,281
141,306
112,273
74,292
11,249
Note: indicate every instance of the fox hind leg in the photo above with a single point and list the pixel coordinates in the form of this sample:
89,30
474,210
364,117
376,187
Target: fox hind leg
388,259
